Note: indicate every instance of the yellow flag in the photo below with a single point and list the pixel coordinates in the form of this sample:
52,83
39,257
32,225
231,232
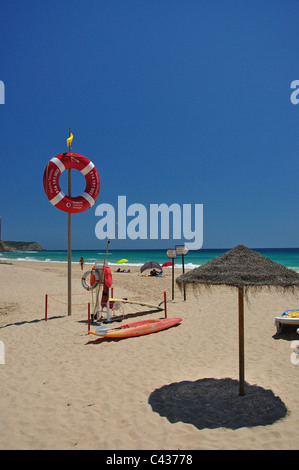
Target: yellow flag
69,140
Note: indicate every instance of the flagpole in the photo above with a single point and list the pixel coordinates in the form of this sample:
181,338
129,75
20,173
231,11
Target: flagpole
69,238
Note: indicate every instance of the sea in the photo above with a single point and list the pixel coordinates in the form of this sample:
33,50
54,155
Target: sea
288,257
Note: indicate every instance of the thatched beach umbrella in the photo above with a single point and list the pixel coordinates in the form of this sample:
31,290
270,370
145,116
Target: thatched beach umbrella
242,268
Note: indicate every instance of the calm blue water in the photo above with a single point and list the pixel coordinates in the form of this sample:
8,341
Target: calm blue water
289,257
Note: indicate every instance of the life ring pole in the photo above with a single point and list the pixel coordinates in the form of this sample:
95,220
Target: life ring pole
69,236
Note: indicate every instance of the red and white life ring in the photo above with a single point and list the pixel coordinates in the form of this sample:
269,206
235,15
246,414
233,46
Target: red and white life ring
52,188
93,280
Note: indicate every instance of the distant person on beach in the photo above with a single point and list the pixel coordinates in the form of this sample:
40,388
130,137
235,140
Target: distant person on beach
81,262
123,271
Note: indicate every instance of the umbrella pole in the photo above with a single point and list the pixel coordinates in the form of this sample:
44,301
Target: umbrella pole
241,342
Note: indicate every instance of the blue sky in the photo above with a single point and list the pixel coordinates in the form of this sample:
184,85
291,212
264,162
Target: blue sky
174,101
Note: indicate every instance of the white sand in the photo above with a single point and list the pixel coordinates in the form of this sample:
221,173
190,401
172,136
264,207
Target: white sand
61,388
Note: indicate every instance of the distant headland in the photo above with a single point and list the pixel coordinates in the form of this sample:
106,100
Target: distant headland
19,246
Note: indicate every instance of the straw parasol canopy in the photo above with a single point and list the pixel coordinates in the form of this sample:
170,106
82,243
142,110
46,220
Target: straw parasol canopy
242,268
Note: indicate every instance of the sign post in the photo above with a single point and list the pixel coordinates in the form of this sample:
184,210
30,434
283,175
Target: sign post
172,254
182,250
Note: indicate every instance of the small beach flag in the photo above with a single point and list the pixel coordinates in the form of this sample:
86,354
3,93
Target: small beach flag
69,140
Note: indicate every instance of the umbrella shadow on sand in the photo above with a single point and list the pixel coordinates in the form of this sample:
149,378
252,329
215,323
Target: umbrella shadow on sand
214,403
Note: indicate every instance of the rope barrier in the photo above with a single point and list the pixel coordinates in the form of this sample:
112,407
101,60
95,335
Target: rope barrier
133,300
50,296
65,303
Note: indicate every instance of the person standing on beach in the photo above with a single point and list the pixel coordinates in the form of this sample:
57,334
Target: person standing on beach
81,262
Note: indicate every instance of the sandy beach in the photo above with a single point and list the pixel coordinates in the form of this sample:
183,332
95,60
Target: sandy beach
64,389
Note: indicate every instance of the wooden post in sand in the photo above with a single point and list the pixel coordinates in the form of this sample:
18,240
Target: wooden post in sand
46,307
182,250
165,305
69,238
88,318
171,253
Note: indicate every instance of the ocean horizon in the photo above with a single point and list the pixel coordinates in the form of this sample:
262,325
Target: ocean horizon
288,257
